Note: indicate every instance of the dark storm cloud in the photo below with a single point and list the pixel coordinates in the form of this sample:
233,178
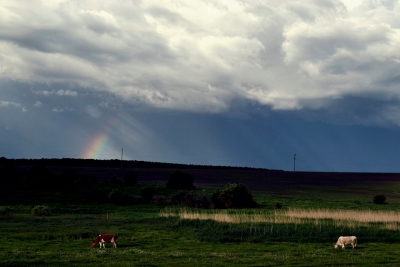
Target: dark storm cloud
148,65
202,56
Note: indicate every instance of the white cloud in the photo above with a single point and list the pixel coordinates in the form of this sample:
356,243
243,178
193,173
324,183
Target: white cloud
66,93
38,104
351,4
203,55
58,93
93,111
6,104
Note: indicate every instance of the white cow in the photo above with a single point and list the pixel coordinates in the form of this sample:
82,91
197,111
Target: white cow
346,240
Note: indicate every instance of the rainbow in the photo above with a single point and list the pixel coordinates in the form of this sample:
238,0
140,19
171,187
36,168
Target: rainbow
99,143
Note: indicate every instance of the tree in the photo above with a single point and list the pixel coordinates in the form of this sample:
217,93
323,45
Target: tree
117,197
147,193
193,199
233,196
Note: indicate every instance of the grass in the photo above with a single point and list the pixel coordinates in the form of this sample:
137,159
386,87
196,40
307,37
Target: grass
291,215
145,239
301,234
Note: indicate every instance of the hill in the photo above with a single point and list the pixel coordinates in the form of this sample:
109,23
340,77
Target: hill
260,181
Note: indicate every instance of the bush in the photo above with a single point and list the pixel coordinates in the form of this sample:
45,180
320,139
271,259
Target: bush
41,210
193,199
178,197
147,193
130,178
180,181
233,196
379,199
160,200
197,199
118,197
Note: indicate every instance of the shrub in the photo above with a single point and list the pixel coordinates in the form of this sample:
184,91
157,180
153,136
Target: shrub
178,197
41,210
197,199
233,196
379,199
118,197
180,181
147,193
193,199
130,178
160,200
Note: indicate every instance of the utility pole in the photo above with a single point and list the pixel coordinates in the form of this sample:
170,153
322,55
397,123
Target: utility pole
294,163
122,154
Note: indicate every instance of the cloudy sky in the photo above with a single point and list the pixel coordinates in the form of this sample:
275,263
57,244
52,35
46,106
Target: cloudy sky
214,82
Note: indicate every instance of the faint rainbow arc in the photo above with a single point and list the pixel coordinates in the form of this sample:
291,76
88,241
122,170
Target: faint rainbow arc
98,144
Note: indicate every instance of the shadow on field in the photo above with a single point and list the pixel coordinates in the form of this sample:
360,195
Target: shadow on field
125,246
358,248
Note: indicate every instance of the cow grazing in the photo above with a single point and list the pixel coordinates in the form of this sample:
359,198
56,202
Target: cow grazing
346,240
105,238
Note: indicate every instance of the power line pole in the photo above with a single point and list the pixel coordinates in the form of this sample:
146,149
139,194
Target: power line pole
122,154
294,163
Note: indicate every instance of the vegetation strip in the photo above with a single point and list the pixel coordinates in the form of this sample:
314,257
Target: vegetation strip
50,219
349,218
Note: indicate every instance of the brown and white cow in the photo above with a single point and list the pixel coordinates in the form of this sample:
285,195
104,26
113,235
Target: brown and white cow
346,240
105,238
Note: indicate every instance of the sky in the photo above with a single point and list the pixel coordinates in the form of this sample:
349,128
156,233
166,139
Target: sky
310,85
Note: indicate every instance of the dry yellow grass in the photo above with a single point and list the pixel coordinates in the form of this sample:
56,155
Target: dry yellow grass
366,216
339,218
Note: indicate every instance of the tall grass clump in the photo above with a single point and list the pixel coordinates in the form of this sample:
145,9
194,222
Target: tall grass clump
298,216
41,210
290,225
364,216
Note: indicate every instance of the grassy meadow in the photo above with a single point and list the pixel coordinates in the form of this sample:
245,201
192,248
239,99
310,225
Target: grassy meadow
300,233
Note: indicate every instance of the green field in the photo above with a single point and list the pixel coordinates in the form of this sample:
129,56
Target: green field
148,239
